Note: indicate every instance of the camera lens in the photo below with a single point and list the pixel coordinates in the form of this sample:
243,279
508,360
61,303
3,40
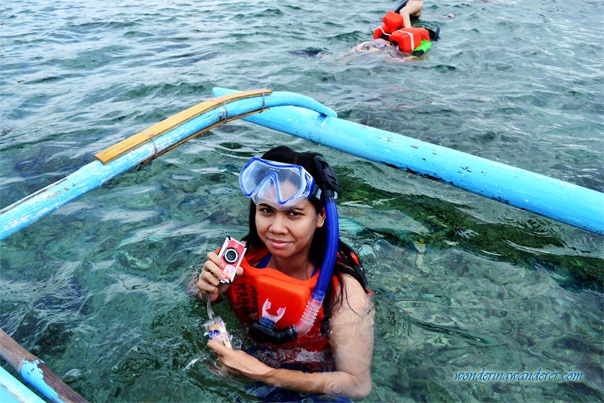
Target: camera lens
230,255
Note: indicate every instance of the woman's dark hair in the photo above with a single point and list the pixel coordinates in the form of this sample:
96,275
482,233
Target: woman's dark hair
346,262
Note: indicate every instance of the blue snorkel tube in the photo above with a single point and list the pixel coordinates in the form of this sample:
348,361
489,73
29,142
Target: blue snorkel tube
263,331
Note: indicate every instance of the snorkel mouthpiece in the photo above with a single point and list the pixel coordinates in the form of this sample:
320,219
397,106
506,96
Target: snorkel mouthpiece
263,331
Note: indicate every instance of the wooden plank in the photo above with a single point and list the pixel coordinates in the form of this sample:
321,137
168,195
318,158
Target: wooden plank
215,125
34,371
124,146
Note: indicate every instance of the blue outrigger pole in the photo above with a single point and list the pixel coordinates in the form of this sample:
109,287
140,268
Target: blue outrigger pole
306,118
553,198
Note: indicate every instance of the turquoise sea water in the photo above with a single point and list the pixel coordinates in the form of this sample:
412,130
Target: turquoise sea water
461,283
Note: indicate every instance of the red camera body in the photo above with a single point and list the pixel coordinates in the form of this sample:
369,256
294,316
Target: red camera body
231,253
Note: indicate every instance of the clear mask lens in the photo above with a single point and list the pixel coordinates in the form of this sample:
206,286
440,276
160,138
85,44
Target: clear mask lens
281,185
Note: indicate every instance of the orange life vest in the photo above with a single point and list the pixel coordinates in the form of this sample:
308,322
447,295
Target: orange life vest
392,21
280,295
407,39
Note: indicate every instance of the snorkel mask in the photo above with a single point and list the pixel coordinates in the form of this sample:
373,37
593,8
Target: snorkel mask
284,186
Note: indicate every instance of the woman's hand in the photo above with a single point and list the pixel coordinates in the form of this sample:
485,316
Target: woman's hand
211,275
238,362
351,340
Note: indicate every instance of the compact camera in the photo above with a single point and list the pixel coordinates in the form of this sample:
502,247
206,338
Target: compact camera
231,253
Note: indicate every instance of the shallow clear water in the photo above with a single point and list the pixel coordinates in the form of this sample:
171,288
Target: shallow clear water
461,283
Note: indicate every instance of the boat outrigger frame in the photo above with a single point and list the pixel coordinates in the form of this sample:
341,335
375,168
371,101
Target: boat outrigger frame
306,118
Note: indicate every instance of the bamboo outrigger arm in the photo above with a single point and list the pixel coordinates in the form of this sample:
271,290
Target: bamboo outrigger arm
306,118
145,146
35,372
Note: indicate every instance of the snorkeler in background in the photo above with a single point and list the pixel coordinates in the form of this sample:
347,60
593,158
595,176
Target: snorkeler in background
397,36
295,259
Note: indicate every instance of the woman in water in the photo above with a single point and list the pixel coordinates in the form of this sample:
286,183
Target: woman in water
288,245
411,10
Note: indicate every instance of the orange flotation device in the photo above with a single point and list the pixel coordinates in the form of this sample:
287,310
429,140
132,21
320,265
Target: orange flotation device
283,298
392,21
407,39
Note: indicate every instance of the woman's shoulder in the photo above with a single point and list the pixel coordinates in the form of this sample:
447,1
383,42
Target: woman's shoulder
354,292
356,303
351,284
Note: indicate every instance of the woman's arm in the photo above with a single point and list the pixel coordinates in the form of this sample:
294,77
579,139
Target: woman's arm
412,8
351,340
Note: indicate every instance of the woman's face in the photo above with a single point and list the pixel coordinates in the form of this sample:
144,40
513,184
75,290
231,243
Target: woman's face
288,233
